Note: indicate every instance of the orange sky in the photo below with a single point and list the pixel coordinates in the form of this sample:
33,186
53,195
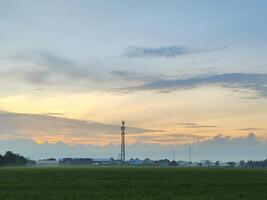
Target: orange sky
203,112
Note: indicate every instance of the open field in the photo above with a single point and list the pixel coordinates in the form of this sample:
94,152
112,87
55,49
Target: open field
131,183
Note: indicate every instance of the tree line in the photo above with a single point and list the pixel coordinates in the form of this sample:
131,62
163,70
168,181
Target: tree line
254,164
11,159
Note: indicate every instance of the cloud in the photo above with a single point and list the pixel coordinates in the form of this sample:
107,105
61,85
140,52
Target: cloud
217,148
52,62
21,125
231,148
45,68
195,125
167,51
137,77
49,68
188,124
249,129
168,138
53,114
255,82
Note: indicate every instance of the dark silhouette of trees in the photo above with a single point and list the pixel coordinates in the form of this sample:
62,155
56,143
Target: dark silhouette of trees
231,164
11,159
173,163
256,164
242,163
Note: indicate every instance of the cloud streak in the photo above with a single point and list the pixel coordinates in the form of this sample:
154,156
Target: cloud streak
137,77
169,138
249,129
17,125
167,51
255,82
195,125
48,68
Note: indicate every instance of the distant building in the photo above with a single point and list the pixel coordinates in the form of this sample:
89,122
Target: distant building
103,161
148,161
164,162
135,161
228,164
194,164
183,163
206,163
76,161
47,162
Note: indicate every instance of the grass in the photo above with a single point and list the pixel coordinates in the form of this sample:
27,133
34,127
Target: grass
131,183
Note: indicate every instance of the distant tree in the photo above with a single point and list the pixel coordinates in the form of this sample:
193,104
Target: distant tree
112,161
242,163
231,164
164,162
173,163
257,164
51,159
13,159
148,161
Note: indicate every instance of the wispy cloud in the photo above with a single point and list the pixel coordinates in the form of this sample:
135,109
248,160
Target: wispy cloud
137,77
17,125
167,51
52,63
188,124
48,68
53,114
195,125
249,129
169,138
255,82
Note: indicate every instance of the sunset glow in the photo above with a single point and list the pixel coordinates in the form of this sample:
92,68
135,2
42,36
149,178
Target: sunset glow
178,73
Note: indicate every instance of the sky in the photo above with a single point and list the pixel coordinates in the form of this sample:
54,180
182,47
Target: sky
178,72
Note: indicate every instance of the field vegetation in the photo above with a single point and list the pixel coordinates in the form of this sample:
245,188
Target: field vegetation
144,183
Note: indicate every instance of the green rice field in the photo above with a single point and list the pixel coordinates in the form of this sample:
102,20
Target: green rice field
130,183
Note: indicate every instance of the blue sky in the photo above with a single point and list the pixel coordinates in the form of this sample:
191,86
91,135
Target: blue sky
87,30
156,64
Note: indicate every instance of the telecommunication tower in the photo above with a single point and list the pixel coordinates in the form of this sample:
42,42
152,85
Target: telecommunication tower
122,142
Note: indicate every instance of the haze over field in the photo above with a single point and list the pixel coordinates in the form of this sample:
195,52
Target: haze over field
178,73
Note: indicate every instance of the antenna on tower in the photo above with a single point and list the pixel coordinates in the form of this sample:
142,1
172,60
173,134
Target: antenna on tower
122,142
190,159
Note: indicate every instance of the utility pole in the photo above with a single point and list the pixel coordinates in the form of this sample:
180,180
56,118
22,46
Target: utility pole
173,152
122,142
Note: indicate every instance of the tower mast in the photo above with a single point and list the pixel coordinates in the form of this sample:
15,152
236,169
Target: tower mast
122,142
190,159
